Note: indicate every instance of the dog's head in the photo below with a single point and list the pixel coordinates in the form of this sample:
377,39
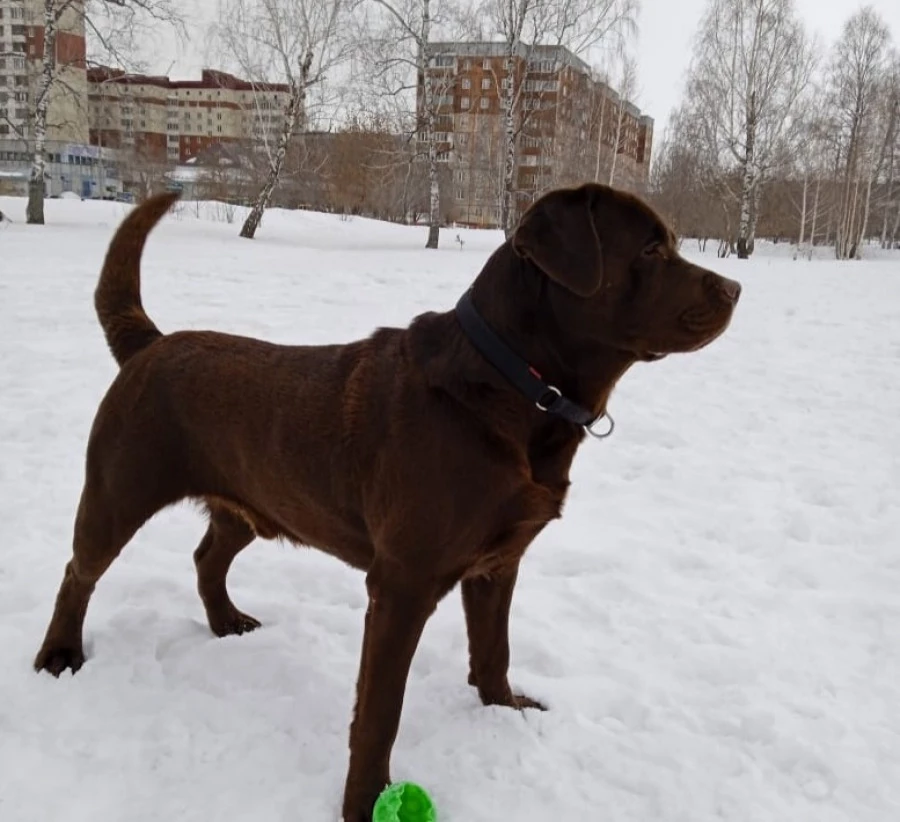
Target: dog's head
616,264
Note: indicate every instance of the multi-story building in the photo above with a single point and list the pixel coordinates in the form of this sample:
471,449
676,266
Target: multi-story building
22,43
170,121
571,126
104,125
70,160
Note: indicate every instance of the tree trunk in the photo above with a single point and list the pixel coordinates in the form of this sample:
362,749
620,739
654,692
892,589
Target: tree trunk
434,183
599,139
887,202
864,226
843,238
34,212
744,248
748,183
802,216
620,117
815,214
754,216
853,209
434,194
896,228
293,111
507,199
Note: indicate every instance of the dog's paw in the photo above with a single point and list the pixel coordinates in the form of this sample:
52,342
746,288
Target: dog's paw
56,659
504,697
234,623
522,702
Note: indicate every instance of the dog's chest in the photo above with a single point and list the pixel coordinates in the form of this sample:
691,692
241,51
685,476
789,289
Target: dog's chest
514,526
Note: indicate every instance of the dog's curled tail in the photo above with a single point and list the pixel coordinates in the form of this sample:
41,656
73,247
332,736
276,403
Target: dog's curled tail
117,299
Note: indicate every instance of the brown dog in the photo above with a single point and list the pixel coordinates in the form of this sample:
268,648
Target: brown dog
425,456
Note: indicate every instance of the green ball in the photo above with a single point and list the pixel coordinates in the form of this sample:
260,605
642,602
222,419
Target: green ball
404,802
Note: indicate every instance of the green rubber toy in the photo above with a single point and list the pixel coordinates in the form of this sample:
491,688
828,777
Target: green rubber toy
404,802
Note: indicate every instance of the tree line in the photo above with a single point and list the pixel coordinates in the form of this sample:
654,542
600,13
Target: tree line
780,137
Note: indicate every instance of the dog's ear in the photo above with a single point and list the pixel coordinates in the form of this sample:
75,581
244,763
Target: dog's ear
559,236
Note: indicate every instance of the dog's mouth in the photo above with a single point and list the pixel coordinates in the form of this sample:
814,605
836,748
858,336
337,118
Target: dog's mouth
651,356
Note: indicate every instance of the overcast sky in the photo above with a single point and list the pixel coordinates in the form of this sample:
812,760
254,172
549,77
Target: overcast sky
663,51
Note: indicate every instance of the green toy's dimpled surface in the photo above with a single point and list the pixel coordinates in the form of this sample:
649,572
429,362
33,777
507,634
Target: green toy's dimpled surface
404,802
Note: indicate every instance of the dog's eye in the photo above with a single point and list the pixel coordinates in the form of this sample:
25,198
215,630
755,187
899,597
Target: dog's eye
652,249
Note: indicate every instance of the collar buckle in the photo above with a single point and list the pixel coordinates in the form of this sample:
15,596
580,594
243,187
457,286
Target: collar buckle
549,398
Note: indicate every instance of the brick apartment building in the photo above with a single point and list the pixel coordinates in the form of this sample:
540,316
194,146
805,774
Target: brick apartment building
22,41
171,121
570,122
105,125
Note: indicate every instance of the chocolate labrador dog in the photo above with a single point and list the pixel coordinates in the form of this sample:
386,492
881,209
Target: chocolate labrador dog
427,457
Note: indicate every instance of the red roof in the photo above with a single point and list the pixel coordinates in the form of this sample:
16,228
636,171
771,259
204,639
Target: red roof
209,79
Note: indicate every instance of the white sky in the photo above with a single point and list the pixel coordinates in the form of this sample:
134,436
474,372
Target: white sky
666,30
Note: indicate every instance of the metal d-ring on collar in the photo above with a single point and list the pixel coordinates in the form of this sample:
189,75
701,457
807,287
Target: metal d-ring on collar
611,426
548,398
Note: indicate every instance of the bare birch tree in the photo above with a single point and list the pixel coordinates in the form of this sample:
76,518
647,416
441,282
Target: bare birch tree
526,27
752,62
626,88
855,76
405,62
598,116
112,28
291,42
890,224
810,165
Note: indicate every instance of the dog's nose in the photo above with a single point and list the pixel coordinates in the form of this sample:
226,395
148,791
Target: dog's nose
730,289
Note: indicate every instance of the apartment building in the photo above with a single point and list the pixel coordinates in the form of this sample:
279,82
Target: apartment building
169,121
105,126
572,126
22,43
70,160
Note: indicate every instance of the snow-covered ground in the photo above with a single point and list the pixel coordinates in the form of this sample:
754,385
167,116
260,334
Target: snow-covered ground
715,622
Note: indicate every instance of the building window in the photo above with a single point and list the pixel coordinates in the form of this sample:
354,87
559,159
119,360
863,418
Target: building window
466,83
486,64
485,83
485,103
464,102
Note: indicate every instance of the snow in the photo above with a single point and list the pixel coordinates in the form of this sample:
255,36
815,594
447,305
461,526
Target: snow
714,623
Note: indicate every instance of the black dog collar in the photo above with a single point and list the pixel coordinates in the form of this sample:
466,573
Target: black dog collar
525,378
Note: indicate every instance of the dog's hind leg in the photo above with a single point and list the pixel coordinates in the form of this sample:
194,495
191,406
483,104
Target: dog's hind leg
228,534
109,514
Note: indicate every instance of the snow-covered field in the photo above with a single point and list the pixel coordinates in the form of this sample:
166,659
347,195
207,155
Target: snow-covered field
715,622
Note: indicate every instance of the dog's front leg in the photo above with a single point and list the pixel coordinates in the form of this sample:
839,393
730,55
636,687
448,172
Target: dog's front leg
397,613
487,601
